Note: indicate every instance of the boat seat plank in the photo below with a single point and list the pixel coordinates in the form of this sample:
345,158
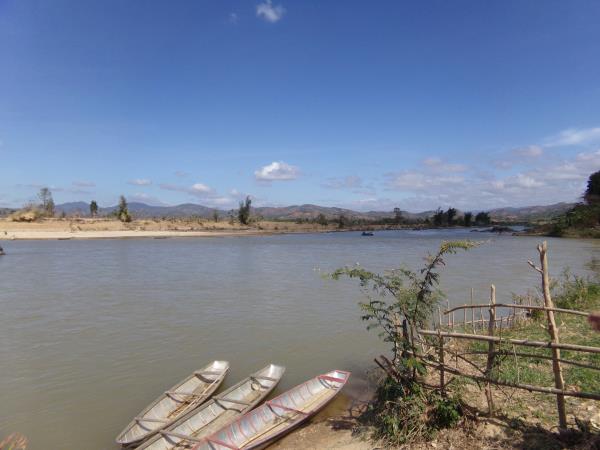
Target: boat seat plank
287,408
237,402
192,394
261,377
207,372
147,419
328,378
180,436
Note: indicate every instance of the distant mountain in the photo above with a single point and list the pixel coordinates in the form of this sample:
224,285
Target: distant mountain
308,211
141,210
530,213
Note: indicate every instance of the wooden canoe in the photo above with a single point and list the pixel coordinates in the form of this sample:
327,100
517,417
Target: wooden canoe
172,404
270,421
217,412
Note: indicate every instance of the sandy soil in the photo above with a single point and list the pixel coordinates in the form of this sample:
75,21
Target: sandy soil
114,229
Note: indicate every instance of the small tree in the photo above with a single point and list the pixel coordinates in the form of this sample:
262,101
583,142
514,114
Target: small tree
450,215
342,221
398,219
414,296
244,211
322,220
398,303
93,208
438,217
216,215
482,218
468,219
47,202
592,192
123,211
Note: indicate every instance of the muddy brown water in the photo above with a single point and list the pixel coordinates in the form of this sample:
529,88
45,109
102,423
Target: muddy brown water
92,331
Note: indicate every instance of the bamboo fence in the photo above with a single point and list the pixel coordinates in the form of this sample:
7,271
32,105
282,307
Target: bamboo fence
493,326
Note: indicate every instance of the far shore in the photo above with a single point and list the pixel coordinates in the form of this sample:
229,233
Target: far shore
101,228
105,228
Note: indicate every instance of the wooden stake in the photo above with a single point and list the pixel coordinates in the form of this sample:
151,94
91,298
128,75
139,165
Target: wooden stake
491,350
442,364
553,331
472,312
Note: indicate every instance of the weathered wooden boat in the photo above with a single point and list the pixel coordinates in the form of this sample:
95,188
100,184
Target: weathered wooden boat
221,410
172,404
270,421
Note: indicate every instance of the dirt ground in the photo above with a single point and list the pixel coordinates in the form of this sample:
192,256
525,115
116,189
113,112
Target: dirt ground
524,420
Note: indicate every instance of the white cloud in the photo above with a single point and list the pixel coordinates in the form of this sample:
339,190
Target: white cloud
277,171
541,180
269,12
201,188
181,174
207,195
417,181
527,181
140,182
198,189
574,136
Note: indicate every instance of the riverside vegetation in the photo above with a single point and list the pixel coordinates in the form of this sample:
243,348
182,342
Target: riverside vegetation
410,409
583,220
403,410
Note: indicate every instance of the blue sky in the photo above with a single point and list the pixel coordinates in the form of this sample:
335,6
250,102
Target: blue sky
367,105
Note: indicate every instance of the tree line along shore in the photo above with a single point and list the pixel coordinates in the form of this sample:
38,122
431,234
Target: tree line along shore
580,220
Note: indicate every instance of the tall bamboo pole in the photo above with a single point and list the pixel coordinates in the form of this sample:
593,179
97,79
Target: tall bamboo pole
559,381
491,350
442,364
472,312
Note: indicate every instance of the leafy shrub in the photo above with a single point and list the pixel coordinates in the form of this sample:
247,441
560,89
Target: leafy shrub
404,413
575,292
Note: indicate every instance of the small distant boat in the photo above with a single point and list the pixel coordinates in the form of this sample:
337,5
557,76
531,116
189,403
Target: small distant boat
180,399
270,421
367,233
217,412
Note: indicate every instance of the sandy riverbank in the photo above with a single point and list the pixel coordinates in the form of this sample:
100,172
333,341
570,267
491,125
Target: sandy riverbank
64,229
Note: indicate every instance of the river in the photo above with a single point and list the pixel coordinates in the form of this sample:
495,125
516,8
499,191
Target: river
92,331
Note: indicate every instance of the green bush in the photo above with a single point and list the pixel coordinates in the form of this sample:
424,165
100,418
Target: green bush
575,292
404,413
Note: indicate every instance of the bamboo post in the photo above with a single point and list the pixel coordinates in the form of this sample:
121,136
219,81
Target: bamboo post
481,317
442,364
447,308
440,317
472,312
553,332
491,350
465,319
